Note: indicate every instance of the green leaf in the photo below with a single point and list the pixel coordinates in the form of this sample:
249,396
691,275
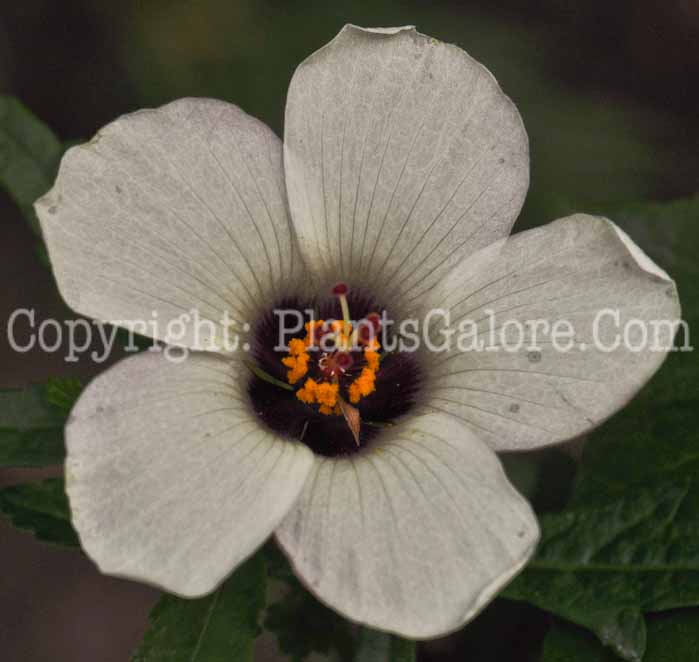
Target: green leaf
31,426
42,509
63,393
672,637
594,565
301,624
565,643
29,156
381,647
645,443
217,628
403,650
32,421
628,543
543,477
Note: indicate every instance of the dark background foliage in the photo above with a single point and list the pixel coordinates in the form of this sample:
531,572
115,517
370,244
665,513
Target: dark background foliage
609,97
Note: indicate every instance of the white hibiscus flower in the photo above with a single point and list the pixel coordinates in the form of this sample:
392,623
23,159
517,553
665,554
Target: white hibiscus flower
403,169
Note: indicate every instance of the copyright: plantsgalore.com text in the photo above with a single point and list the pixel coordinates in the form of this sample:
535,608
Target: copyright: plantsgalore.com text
608,331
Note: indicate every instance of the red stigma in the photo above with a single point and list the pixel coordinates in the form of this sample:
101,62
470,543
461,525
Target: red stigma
369,328
375,320
340,289
343,360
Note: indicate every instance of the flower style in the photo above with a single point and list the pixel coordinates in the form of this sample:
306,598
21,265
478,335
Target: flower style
403,169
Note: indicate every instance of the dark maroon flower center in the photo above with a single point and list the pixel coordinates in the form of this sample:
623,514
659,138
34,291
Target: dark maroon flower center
303,394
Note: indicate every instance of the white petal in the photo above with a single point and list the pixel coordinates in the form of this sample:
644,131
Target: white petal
403,156
168,210
415,537
171,477
574,269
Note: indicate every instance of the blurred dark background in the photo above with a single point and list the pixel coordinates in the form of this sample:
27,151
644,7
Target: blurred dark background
609,97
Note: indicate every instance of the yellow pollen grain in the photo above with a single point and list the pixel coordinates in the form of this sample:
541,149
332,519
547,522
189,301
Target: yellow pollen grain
354,395
298,367
307,394
364,385
326,394
366,382
372,359
297,347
